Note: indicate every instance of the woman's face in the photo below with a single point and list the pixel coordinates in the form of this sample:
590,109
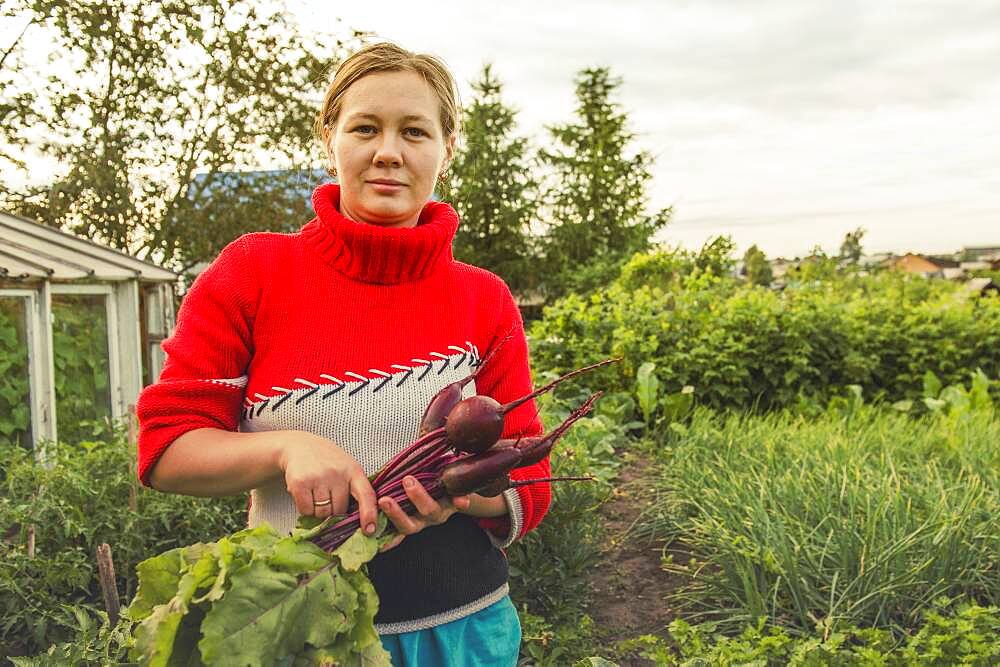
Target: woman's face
388,148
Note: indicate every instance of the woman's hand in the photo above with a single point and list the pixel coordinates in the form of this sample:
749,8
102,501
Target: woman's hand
321,478
430,512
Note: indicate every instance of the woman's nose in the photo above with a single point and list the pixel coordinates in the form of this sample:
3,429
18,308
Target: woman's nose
388,152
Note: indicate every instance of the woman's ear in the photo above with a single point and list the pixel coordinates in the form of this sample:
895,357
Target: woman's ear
449,151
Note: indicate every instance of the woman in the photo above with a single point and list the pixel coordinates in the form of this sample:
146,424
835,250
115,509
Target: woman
302,362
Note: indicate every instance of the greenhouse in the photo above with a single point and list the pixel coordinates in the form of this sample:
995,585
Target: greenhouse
80,328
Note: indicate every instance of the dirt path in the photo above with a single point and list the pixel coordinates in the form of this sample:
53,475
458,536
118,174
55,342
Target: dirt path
630,587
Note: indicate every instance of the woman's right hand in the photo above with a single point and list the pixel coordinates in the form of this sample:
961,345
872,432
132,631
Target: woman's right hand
317,470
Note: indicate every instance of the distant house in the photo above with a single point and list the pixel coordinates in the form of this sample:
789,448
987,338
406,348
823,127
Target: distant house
926,265
985,253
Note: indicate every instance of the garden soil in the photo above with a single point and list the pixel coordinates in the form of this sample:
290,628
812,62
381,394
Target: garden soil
629,589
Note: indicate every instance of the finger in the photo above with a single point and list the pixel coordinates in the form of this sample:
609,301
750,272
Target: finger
395,542
322,504
404,523
363,492
461,503
422,500
303,500
340,495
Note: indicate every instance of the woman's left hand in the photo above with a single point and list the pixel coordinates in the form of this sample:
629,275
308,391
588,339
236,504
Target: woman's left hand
430,512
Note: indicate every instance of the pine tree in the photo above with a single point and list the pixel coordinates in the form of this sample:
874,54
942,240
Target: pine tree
491,186
596,198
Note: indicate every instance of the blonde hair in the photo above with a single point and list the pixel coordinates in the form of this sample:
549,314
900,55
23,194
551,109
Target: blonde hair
388,57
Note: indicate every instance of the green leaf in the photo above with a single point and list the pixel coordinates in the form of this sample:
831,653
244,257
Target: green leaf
158,578
298,556
932,385
647,389
267,615
360,548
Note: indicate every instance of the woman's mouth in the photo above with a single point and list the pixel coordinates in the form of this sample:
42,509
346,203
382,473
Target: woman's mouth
386,186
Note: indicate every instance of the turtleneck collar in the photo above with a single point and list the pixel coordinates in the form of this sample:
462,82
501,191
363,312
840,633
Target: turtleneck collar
374,254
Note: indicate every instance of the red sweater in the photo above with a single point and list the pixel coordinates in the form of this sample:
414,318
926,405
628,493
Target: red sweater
346,330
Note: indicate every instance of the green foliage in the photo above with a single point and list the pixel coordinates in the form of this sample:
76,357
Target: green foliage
138,98
81,360
256,598
595,201
75,502
665,267
14,417
493,188
758,269
862,516
746,347
950,634
544,644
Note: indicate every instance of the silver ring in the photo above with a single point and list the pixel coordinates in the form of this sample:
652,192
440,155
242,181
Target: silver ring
322,503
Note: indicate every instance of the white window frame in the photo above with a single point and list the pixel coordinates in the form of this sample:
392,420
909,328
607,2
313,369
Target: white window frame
41,389
114,350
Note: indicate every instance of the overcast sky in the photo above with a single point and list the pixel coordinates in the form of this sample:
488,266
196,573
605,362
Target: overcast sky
784,123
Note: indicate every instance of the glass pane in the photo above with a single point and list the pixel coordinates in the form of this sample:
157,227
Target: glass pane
82,373
15,397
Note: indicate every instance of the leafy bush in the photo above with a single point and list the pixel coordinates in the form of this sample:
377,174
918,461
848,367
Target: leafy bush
749,347
965,634
861,516
76,501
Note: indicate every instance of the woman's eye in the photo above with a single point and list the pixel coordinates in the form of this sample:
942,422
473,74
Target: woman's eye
415,132
365,129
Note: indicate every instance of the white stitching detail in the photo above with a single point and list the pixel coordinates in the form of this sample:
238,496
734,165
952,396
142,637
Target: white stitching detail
355,375
378,372
439,355
423,361
262,396
458,349
330,377
402,368
282,389
306,382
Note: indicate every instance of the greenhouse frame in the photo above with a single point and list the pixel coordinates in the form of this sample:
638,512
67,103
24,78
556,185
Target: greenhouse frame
80,332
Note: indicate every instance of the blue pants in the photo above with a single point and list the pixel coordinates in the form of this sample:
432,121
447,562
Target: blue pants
490,637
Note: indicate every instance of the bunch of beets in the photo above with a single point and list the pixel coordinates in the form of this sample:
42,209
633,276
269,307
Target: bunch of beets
458,451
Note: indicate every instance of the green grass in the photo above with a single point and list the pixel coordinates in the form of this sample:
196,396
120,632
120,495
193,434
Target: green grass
863,516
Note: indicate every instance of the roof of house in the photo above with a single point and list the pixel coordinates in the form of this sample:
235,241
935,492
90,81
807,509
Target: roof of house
32,251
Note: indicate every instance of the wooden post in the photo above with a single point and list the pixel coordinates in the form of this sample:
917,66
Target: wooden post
133,500
106,575
31,540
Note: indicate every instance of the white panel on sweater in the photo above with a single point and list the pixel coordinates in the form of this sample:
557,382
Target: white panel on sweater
372,420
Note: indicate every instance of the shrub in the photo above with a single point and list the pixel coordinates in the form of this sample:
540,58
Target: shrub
76,501
750,347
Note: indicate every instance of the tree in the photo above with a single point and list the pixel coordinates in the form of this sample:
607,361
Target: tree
758,269
145,106
491,185
850,249
596,198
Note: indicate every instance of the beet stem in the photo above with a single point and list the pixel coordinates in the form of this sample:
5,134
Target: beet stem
541,390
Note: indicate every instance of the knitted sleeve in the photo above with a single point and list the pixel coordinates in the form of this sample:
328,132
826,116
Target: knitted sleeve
203,378
507,376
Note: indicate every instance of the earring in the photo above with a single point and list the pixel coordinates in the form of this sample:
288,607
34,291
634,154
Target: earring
443,176
333,171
